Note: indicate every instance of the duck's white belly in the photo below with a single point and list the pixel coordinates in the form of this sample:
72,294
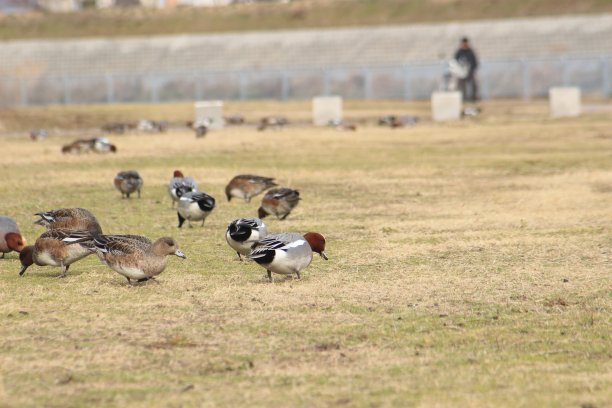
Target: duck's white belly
244,248
45,258
240,247
286,265
191,211
236,192
76,252
129,272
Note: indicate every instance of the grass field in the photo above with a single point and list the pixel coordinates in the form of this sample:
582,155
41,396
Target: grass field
469,266
275,16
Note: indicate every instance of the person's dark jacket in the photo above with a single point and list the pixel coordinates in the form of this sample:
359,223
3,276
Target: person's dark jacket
467,56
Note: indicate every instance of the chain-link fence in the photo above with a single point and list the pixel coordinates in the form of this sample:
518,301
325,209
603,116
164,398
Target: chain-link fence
512,78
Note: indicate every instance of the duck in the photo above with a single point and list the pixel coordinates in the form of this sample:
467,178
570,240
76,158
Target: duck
134,256
287,253
194,206
73,219
179,185
102,145
10,236
152,126
201,127
38,134
55,247
127,182
279,202
77,147
242,233
272,122
235,120
97,145
247,186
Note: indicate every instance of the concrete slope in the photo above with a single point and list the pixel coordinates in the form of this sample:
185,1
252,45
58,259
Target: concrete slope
366,46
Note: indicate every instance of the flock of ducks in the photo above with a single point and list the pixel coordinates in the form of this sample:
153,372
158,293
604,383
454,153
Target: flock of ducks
74,233
96,145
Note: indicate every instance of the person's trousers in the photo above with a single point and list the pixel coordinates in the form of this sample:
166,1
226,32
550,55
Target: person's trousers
469,88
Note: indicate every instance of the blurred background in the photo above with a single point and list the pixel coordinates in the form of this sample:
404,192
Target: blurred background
109,51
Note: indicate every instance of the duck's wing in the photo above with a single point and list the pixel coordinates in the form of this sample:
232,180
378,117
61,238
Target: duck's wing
263,251
242,228
186,183
253,223
189,181
205,201
65,235
121,244
56,215
285,194
283,242
129,174
253,178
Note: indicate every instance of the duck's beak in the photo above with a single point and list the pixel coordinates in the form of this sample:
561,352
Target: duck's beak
323,255
180,254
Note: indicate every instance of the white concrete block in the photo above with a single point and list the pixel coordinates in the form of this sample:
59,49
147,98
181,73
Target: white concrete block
210,112
326,109
564,102
446,106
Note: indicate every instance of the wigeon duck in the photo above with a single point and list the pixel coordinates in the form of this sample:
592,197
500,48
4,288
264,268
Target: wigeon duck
194,207
246,186
97,145
38,134
53,248
77,147
74,219
201,127
235,120
179,185
272,122
127,182
10,236
394,121
200,131
242,233
102,145
135,257
152,126
341,125
279,202
287,253
118,127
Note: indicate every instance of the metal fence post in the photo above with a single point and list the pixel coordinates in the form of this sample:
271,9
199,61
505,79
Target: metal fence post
197,87
284,85
66,90
484,82
23,91
367,83
110,88
243,86
326,82
154,82
526,79
605,76
406,90
565,71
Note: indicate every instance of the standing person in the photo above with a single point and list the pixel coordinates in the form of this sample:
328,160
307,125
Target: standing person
465,56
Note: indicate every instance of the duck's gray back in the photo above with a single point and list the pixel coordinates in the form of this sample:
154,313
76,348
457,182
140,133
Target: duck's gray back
8,224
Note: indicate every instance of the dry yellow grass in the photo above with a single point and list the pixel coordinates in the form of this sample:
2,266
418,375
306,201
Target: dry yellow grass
292,15
469,266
